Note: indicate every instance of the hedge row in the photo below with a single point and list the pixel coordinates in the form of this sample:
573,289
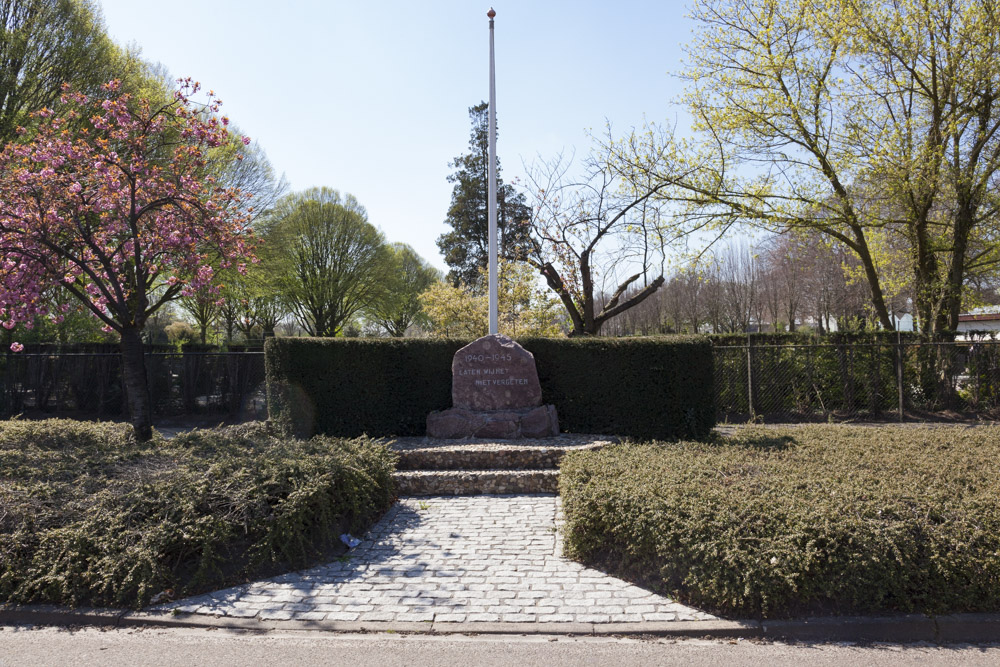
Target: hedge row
88,516
819,519
876,337
641,387
659,387
149,348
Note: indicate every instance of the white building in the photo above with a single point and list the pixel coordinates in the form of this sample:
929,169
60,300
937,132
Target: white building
986,318
902,321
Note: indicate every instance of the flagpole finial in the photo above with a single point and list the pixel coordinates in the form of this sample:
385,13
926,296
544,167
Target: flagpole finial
491,13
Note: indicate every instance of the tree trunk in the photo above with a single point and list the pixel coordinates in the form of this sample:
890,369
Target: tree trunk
136,385
964,222
878,300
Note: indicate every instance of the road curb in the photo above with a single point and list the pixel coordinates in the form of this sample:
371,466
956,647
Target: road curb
901,629
962,628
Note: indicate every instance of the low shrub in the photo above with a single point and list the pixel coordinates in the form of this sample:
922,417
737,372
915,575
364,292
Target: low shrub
88,516
819,519
641,387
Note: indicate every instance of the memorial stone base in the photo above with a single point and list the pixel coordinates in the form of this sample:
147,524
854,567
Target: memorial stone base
538,422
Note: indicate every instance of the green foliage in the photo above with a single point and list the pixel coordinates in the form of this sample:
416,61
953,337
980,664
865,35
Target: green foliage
840,119
90,516
523,310
180,333
466,247
406,277
329,258
76,327
46,43
873,337
815,519
641,387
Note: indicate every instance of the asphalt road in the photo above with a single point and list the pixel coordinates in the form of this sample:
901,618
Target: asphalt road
219,648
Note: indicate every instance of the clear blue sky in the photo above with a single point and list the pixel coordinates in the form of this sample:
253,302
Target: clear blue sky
372,98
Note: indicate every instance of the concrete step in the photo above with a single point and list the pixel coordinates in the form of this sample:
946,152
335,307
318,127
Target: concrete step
480,459
475,482
542,454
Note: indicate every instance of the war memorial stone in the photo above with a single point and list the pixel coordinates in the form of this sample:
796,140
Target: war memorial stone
495,393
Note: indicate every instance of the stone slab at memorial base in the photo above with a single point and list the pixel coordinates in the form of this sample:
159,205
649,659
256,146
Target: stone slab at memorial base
495,393
540,422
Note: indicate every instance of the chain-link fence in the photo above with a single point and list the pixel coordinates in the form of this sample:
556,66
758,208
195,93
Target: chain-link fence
89,384
842,381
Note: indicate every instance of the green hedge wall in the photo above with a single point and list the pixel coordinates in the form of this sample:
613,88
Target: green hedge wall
638,387
660,387
836,338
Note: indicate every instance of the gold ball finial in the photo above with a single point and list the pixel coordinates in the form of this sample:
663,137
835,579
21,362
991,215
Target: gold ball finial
491,13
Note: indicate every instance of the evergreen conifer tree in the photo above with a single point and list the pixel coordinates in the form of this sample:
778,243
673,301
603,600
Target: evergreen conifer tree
466,246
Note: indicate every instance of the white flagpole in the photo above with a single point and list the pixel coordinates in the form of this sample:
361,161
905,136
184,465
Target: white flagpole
494,329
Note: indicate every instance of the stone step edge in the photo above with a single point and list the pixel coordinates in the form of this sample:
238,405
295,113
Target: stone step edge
479,459
475,482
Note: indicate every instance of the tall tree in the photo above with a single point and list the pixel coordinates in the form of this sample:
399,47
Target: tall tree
203,308
118,214
257,298
872,123
46,43
252,174
466,246
602,232
334,258
406,277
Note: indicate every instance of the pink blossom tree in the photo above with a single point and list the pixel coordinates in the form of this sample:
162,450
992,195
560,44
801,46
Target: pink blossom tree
111,199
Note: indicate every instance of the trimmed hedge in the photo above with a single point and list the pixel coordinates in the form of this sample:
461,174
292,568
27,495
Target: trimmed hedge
661,387
872,337
350,386
639,387
819,519
88,516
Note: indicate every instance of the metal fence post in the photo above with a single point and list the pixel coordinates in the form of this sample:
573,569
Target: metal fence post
750,376
899,371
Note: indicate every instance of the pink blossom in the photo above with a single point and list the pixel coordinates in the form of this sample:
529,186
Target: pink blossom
42,177
16,347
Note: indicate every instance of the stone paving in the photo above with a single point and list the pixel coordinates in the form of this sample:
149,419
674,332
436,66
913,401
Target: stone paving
450,559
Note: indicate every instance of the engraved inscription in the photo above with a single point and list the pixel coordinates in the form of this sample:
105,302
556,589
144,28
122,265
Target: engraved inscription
494,373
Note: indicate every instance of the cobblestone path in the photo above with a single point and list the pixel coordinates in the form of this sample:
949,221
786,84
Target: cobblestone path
450,559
